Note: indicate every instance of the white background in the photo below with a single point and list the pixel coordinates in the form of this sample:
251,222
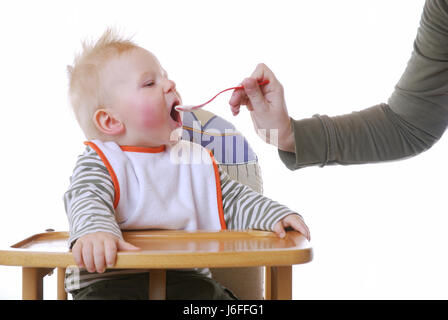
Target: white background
378,230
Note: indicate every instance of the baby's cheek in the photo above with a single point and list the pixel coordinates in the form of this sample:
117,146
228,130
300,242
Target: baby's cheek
149,118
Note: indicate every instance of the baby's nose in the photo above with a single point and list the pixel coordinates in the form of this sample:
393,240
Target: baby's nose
169,85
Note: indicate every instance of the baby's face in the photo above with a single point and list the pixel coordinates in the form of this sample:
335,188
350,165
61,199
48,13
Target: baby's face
143,98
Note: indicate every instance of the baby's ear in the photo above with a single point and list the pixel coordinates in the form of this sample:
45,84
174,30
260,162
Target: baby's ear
108,123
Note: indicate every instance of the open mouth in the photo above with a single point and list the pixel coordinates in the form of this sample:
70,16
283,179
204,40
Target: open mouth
174,114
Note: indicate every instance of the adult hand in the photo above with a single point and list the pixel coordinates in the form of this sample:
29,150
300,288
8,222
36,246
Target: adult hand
267,108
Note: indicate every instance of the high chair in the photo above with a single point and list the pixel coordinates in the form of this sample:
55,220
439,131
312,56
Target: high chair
252,264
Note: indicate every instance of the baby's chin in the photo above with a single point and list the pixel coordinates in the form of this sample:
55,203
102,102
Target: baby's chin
175,136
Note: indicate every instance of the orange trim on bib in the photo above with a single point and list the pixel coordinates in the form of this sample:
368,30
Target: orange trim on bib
109,168
144,149
218,192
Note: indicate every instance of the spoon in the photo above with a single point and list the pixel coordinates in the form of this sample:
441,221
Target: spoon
190,108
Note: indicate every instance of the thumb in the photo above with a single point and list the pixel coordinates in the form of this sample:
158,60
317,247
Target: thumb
254,94
126,246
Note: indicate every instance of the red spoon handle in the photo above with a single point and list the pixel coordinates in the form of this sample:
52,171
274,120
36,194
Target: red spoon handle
260,83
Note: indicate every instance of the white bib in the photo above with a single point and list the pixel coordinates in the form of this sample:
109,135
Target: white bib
165,187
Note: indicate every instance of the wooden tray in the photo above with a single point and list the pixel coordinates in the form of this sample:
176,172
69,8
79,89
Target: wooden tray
171,249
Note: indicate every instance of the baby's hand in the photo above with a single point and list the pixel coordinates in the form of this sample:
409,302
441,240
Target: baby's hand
294,221
94,251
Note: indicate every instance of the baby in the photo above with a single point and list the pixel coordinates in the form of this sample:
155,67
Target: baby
127,179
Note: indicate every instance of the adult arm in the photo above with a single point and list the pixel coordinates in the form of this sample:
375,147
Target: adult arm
414,119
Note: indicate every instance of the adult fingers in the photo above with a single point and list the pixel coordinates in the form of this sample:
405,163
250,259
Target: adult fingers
254,94
273,92
235,110
238,99
262,72
235,99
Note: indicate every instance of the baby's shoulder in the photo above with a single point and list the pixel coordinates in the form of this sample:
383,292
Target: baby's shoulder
94,149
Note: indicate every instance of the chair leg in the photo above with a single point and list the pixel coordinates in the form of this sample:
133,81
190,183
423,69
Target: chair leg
157,284
281,282
32,282
267,283
62,295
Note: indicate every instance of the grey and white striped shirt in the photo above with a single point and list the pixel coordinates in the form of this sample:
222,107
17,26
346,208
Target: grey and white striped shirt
89,207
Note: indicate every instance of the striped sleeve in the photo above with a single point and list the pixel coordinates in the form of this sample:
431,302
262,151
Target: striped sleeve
245,208
89,199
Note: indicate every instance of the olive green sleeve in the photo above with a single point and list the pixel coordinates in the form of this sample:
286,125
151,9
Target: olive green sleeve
414,119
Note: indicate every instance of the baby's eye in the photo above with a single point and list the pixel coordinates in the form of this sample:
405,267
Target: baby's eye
149,84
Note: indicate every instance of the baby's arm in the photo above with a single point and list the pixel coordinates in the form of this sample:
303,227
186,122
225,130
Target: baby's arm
246,209
95,235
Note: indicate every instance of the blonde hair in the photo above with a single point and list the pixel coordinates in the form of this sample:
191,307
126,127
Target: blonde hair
85,91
